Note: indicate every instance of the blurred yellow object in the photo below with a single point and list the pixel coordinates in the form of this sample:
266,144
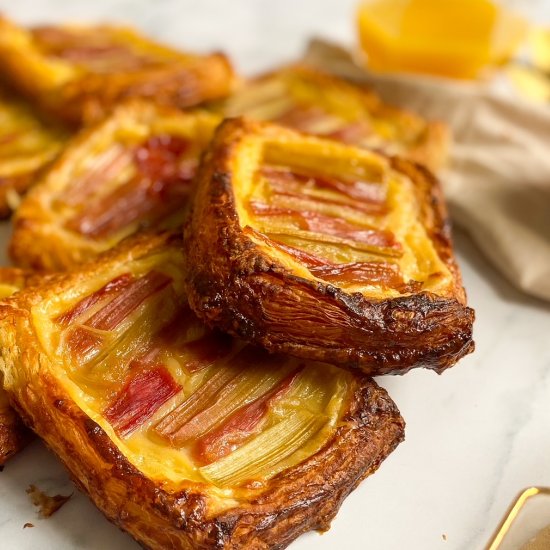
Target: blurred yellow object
531,83
532,78
453,38
539,42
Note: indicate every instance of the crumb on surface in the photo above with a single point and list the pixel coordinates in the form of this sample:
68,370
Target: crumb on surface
444,536
27,525
47,505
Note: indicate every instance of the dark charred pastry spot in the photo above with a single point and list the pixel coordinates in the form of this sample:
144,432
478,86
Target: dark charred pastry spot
109,451
196,508
221,532
243,326
221,188
174,240
93,429
371,406
173,506
225,240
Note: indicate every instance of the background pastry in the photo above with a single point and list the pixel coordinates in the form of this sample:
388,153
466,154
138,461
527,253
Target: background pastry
27,145
130,171
78,73
314,102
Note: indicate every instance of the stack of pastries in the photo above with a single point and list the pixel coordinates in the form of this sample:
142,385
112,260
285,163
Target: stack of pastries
210,270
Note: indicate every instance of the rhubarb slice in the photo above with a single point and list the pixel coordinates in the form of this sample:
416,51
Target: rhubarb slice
159,187
290,179
108,291
241,390
85,339
110,316
238,428
106,166
315,223
202,398
140,398
266,452
94,50
380,273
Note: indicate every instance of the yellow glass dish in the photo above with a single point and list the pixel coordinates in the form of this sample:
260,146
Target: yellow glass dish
455,38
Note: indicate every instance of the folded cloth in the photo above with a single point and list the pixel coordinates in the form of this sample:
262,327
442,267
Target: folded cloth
498,179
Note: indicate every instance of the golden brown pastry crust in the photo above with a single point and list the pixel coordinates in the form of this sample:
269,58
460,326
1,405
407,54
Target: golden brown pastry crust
27,145
13,433
298,95
68,87
14,277
300,499
41,239
235,285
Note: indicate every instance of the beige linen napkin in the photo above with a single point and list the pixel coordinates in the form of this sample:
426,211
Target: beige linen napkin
498,180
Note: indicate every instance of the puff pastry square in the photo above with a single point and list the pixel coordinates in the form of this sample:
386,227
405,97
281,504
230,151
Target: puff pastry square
325,251
132,170
314,102
27,144
183,437
78,73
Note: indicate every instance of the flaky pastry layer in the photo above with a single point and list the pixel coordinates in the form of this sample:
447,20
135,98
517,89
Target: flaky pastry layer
13,434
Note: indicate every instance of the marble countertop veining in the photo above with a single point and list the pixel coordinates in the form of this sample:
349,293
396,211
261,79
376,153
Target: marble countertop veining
476,435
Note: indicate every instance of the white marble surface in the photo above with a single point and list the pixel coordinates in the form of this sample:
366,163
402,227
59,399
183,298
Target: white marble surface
476,436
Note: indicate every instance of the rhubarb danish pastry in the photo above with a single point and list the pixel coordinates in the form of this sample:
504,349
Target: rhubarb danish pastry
78,73
326,251
132,170
308,100
27,144
183,437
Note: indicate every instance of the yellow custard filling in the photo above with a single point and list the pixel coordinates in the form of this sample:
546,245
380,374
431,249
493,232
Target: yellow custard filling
26,144
131,172
318,104
306,195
